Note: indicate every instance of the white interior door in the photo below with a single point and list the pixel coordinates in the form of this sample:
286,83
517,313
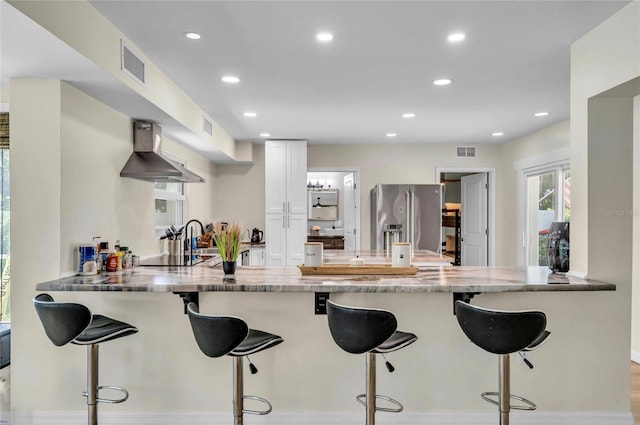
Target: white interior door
349,213
474,220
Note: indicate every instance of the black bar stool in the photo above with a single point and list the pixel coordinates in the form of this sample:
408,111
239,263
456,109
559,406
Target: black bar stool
503,333
74,323
371,331
227,335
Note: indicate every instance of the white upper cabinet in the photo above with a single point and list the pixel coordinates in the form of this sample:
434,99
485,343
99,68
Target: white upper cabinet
286,177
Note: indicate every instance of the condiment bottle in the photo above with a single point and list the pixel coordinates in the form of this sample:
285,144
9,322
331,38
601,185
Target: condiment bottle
112,262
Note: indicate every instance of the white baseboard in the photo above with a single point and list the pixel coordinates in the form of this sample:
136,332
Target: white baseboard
327,418
635,357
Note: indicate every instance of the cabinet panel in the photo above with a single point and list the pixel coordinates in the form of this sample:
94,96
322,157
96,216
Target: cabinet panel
285,235
275,155
296,237
257,257
297,177
275,236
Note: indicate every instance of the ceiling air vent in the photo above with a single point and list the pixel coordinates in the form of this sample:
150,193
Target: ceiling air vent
466,151
132,64
207,127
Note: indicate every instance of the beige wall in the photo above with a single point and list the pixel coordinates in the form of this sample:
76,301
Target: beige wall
240,188
65,189
602,169
377,164
96,142
239,194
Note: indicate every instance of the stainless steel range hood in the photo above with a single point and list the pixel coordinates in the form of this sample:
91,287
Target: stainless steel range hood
147,162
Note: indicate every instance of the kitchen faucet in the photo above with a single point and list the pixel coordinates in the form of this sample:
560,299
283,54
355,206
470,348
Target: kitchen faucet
193,220
188,242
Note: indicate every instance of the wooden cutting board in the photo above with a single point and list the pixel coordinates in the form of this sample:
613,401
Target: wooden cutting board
346,269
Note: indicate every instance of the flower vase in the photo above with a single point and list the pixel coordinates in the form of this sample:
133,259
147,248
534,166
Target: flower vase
229,267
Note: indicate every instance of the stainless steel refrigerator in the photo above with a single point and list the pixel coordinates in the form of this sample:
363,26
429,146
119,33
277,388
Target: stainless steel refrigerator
406,213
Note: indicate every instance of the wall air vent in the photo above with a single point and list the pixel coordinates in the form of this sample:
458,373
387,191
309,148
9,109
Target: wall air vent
207,126
131,64
466,151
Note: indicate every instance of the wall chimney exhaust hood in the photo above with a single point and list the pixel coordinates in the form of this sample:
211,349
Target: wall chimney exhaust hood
147,162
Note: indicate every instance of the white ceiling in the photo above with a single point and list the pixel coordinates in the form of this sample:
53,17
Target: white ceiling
384,57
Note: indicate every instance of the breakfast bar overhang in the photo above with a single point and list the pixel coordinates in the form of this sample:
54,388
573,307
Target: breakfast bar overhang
462,282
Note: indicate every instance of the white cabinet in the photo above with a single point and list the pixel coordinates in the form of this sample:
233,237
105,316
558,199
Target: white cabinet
286,177
285,201
256,256
287,235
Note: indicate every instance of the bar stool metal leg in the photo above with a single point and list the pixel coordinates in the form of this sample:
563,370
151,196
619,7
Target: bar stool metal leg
371,388
504,388
92,383
238,391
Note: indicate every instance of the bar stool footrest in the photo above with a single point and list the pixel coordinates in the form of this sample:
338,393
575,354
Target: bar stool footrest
109,400
257,412
529,404
362,400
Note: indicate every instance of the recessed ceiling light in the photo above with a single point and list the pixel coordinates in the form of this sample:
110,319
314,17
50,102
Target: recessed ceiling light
324,37
442,82
192,35
391,135
456,37
265,135
408,115
231,79
540,114
250,114
497,134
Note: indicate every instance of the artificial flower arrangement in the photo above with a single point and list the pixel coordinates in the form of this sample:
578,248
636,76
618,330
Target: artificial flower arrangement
228,239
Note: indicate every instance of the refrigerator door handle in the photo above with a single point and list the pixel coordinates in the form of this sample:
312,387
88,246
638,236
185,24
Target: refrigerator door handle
413,226
412,219
408,212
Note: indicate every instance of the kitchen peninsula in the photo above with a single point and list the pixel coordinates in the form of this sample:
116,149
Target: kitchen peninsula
429,279
428,376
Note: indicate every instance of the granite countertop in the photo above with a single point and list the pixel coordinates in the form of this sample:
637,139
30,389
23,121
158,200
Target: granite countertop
429,279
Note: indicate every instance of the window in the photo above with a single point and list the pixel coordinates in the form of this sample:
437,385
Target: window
169,202
546,198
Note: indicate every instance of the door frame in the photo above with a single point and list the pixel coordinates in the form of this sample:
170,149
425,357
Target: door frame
491,202
357,200
523,167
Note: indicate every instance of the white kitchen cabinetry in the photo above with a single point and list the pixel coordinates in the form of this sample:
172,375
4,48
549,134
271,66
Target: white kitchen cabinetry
286,177
285,201
287,235
256,256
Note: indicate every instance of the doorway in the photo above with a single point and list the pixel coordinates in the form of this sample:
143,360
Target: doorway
345,184
474,187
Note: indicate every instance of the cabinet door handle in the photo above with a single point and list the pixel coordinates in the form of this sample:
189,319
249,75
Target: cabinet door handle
284,207
284,222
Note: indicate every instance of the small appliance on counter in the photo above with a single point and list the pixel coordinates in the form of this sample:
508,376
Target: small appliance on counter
558,247
256,235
